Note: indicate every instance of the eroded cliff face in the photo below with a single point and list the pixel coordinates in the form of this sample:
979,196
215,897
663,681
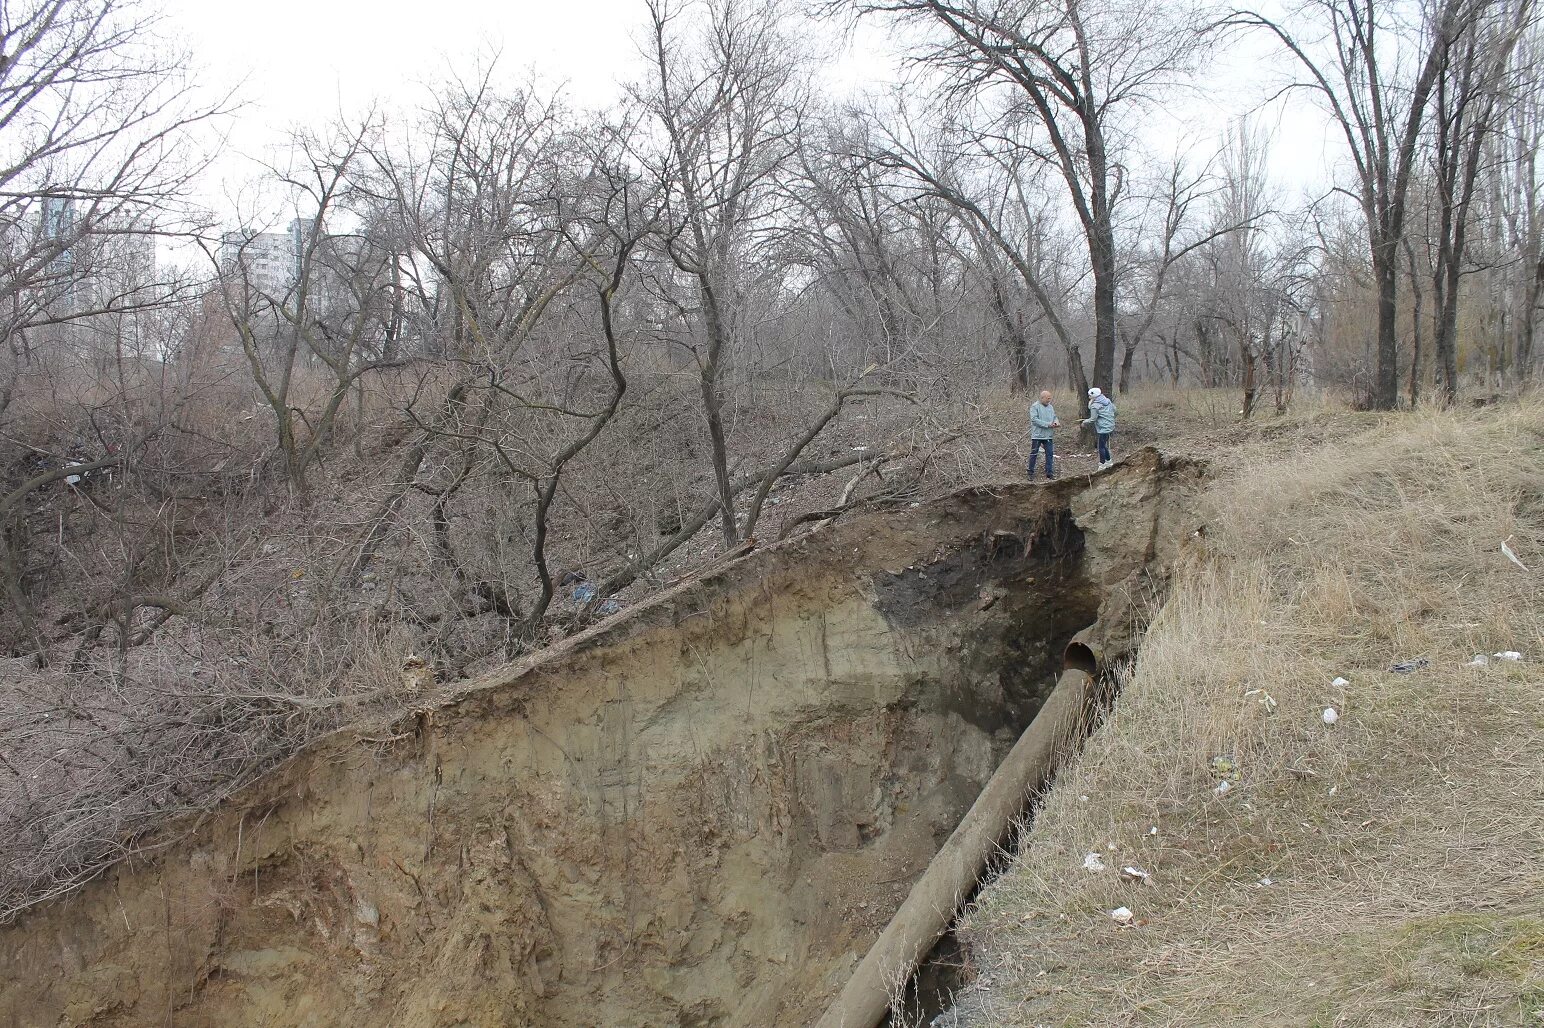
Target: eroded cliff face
700,813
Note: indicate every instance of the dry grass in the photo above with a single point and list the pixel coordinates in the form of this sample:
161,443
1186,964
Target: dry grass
1402,845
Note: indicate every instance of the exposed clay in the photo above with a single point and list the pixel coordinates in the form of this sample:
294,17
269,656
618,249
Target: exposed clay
700,813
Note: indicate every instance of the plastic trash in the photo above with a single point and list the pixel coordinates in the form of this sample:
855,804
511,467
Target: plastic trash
1223,787
1406,666
1340,683
1093,863
1265,700
1330,716
1480,660
1134,873
1510,555
1122,915
1508,655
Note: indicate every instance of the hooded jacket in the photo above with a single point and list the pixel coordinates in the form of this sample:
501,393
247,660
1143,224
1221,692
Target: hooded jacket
1101,414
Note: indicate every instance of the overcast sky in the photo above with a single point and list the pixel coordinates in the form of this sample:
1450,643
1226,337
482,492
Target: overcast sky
299,62
299,58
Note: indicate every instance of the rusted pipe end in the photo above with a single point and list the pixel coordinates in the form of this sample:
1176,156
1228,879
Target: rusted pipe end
1080,657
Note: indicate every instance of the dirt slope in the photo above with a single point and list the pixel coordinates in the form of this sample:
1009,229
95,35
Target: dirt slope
699,813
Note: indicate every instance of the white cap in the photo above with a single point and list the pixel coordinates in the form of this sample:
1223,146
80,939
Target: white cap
1093,392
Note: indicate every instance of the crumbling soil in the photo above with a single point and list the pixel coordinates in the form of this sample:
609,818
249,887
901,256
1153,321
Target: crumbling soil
701,812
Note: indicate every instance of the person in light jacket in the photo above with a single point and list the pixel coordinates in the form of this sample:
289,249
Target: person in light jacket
1101,418
1042,419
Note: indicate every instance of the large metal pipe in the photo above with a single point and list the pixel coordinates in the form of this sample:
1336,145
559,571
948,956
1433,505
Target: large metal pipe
1080,656
949,880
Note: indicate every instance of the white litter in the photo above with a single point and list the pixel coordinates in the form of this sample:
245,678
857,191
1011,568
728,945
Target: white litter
1136,874
1329,715
1334,789
1480,660
1508,655
1153,830
1223,787
1111,847
1266,699
1121,915
1510,555
1266,881
1340,683
1093,863
1082,799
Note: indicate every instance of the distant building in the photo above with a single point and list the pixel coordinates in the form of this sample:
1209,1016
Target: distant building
269,261
99,276
57,224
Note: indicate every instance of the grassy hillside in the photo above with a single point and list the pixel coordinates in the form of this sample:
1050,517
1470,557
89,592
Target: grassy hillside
1385,869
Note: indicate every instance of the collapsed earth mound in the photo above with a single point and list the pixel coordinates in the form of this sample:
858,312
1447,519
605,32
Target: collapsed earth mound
700,813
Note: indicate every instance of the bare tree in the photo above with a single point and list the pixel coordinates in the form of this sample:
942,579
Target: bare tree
1376,77
728,97
486,248
95,164
1003,210
1470,96
1257,271
1054,80
854,230
331,310
94,121
1519,198
1173,207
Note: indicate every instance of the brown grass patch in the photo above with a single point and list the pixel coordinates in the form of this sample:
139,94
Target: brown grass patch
1382,870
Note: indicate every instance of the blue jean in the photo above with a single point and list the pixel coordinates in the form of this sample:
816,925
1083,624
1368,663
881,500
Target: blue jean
1035,445
1104,447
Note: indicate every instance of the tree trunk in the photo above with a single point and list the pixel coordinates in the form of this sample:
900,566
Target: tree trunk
713,411
1247,356
1101,250
1386,390
1417,299
1526,331
1078,377
1444,331
1128,355
1013,336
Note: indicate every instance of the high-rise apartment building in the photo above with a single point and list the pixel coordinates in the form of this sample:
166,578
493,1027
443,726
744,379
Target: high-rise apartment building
269,261
57,225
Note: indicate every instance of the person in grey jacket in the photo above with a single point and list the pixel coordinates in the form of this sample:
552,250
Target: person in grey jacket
1042,419
1101,418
